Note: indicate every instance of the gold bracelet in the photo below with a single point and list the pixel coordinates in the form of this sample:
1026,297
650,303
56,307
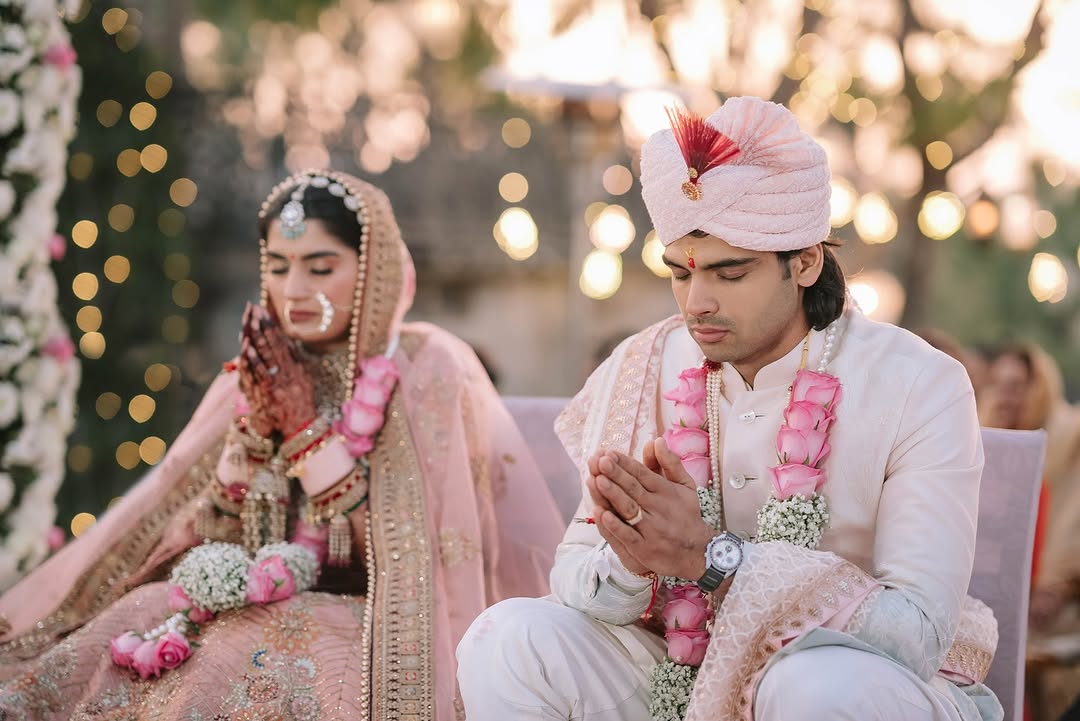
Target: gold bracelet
304,442
340,499
258,448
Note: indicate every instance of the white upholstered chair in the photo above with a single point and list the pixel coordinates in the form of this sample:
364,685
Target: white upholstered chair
1008,505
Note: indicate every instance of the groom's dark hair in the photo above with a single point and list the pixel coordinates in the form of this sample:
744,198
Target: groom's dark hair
824,300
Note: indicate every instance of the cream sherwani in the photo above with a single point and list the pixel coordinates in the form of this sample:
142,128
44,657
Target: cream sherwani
902,488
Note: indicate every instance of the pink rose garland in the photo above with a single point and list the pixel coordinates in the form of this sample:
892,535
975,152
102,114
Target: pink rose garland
802,443
363,416
687,612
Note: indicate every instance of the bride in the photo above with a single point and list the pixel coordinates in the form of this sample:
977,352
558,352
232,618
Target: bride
378,446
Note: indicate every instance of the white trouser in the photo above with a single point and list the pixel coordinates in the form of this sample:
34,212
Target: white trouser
533,659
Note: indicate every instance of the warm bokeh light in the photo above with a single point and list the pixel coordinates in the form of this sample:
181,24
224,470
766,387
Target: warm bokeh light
141,408
939,154
842,202
108,405
177,266
79,458
516,233
81,522
109,112
613,229
174,328
875,221
1054,171
644,111
88,319
618,180
157,377
171,222
92,345
117,268
185,293
593,211
652,254
152,450
121,217
879,294
128,162
1045,223
941,215
1017,223
601,274
1047,279
142,115
127,455
516,132
513,187
158,84
183,192
84,233
153,157
81,165
84,286
982,218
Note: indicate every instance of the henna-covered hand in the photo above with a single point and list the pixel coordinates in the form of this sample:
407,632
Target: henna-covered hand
278,389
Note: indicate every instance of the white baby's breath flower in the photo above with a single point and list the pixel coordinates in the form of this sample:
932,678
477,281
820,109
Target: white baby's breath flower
214,576
7,199
15,51
9,405
9,111
7,490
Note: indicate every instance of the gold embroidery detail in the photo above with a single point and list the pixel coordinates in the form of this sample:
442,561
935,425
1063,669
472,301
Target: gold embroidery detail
455,548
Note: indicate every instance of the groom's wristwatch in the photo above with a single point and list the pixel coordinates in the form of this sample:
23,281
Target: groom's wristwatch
723,556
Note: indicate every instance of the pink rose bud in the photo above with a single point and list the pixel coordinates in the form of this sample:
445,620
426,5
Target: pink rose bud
268,581
791,479
380,370
807,416
687,648
687,441
358,446
56,538
57,247
61,55
370,393
691,413
123,646
689,592
685,614
178,599
144,659
360,419
820,388
171,650
199,615
809,448
59,348
699,468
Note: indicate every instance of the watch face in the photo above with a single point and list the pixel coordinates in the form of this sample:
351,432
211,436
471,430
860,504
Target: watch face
726,554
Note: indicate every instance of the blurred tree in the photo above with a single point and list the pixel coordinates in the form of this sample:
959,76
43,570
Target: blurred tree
126,286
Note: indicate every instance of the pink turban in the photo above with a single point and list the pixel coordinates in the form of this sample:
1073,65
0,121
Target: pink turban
773,195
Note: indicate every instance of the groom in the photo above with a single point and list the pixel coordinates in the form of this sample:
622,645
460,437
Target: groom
845,602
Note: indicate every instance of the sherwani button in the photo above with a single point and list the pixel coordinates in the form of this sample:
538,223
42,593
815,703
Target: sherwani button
748,417
737,480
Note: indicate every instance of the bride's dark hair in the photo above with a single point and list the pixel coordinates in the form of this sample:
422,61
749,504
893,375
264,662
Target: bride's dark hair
319,204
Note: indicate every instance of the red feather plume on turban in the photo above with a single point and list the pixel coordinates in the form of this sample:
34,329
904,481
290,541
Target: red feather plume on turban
703,147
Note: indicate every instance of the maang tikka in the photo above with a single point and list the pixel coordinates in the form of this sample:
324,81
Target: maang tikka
292,215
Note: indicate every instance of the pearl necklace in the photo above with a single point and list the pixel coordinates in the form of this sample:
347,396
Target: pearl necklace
714,390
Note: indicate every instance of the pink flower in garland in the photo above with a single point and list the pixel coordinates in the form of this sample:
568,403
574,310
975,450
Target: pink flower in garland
363,416
802,444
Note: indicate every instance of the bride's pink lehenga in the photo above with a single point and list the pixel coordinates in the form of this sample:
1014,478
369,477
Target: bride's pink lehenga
459,517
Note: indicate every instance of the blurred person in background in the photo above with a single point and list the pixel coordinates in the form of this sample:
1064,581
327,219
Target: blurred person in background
1023,390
